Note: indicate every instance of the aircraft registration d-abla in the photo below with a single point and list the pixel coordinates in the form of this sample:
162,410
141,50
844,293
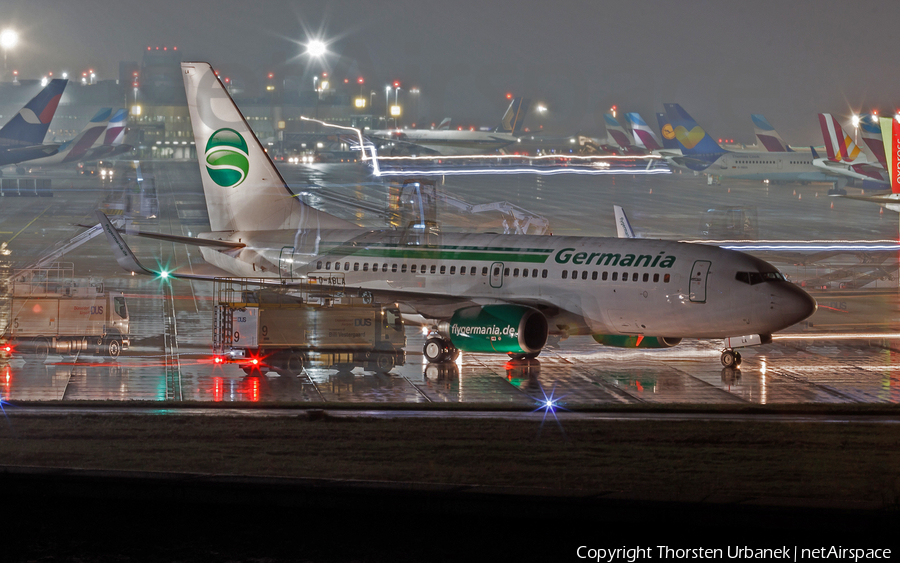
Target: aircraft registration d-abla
478,292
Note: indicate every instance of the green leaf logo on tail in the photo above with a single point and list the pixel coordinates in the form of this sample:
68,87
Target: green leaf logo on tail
227,161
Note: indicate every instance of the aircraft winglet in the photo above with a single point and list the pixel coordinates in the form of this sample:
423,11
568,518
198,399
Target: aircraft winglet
124,256
623,227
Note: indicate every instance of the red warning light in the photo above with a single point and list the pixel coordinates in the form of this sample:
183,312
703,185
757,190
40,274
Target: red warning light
509,95
360,80
346,81
720,140
174,48
324,75
271,75
148,48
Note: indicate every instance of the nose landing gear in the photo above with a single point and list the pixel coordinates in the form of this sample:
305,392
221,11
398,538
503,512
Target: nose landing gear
730,358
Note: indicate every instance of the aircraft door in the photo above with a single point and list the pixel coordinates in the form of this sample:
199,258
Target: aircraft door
497,274
699,273
286,263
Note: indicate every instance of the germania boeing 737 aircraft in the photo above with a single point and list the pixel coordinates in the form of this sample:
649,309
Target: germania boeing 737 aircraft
479,292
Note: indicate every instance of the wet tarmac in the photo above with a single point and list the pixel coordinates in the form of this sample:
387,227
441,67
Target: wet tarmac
844,354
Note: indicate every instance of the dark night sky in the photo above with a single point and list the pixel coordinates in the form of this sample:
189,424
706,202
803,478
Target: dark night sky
720,60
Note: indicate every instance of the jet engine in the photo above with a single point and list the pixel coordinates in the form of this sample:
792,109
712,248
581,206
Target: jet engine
512,329
637,341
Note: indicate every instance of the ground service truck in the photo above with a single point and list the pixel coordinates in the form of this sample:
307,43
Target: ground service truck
264,329
49,311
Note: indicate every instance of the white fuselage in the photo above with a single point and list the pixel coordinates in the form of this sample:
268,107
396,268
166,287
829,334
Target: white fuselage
583,285
772,166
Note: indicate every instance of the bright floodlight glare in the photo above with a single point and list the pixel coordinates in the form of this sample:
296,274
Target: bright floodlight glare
8,38
316,48
855,120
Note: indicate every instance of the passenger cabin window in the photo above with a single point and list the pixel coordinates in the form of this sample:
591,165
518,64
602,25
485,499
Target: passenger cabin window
505,272
327,265
655,278
366,267
433,267
319,265
443,269
496,271
472,270
584,275
565,274
346,266
615,276
604,276
594,275
412,269
634,276
394,268
646,277
515,272
462,271
543,273
666,278
452,270
524,272
403,269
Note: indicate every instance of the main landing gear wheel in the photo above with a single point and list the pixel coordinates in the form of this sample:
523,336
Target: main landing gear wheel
438,350
731,359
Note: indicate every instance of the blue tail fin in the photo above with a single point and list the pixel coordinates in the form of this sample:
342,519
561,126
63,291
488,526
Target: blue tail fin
693,139
29,126
668,132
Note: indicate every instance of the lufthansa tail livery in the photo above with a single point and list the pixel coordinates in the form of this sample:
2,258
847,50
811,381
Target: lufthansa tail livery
485,293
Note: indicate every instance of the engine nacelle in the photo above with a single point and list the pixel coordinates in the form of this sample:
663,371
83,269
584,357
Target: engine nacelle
497,329
638,341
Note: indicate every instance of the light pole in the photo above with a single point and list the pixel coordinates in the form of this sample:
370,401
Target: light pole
8,40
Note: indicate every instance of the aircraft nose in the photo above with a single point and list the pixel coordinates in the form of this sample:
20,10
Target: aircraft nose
795,305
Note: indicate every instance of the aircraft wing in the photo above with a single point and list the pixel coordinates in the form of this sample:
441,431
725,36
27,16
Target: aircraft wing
222,244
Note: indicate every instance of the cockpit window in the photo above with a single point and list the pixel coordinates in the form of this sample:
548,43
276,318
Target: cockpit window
754,278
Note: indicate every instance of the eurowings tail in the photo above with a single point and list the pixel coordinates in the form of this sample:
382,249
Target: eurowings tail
767,136
692,139
870,130
444,125
617,136
514,118
643,136
29,126
243,189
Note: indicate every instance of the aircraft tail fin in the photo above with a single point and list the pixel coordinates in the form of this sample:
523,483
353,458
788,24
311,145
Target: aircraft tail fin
243,189
812,149
890,129
668,133
29,126
115,130
623,227
616,134
838,144
767,136
514,118
78,147
444,125
643,135
693,140
870,130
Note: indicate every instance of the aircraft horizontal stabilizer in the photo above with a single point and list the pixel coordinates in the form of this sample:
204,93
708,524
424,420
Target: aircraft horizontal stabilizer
223,244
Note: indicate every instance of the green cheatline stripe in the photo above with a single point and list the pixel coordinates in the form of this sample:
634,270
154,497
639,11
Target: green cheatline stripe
442,255
439,247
